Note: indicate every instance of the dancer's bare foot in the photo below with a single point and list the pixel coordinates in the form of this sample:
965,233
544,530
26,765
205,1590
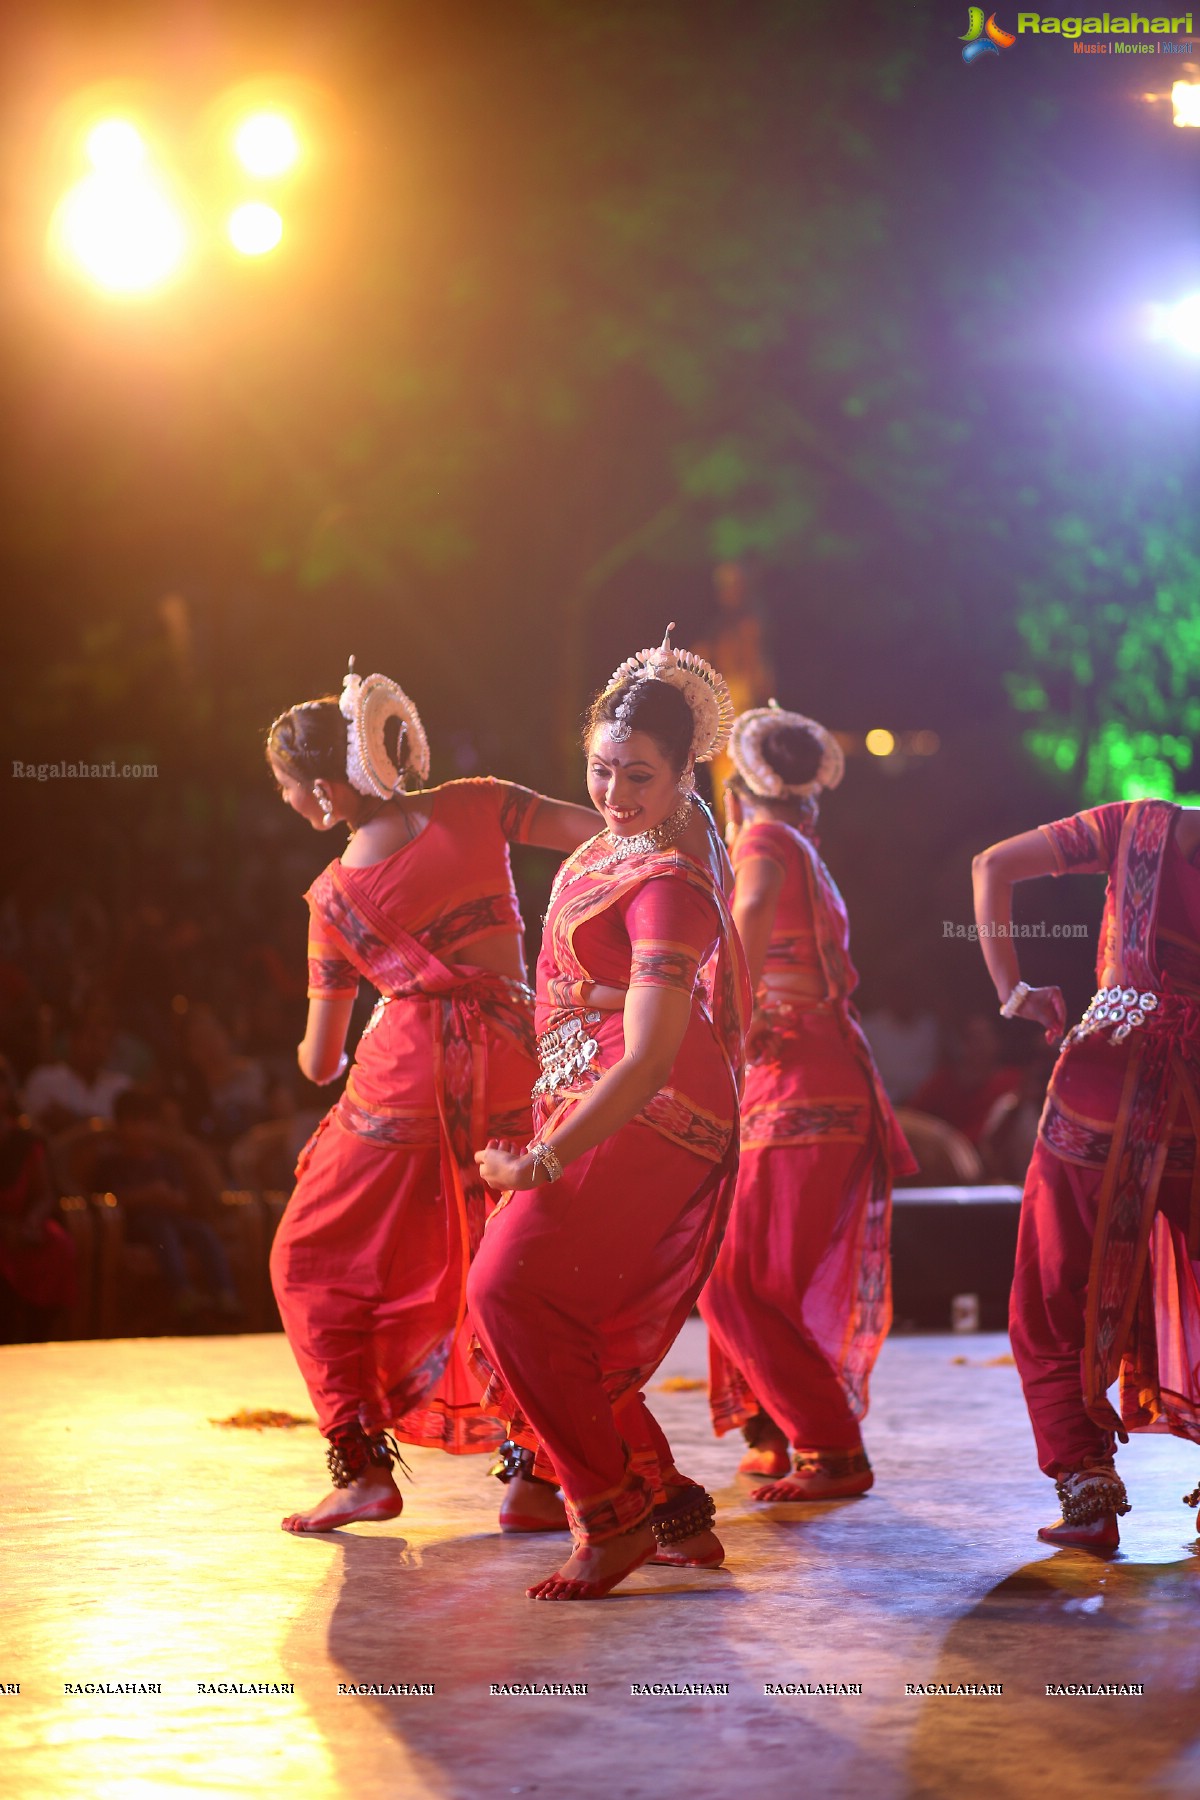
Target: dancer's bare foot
815,1485
593,1570
531,1506
372,1497
702,1551
765,1461
767,1447
1102,1534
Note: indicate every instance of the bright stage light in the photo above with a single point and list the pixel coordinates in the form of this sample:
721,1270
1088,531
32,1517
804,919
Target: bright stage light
880,743
115,147
120,227
266,144
255,228
1185,98
1180,323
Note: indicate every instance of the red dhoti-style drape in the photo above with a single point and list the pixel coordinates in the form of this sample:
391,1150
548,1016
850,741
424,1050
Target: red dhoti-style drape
1107,1281
581,1287
577,1293
799,1302
370,1261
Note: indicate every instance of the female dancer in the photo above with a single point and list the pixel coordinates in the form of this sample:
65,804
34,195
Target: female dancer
799,1302
578,1294
370,1262
1107,1278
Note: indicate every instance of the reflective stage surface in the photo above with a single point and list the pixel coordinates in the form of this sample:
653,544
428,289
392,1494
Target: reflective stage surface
142,1546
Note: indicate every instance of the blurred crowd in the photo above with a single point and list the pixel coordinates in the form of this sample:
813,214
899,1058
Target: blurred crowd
149,1054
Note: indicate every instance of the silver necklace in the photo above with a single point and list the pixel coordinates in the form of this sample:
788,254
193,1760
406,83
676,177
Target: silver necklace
642,842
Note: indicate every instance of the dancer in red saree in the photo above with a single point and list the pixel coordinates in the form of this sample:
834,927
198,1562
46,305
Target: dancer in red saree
1107,1282
799,1302
612,1217
370,1262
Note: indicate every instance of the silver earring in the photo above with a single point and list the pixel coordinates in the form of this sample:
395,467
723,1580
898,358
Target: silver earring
687,782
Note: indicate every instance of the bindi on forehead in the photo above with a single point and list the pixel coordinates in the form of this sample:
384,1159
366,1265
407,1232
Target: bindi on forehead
622,754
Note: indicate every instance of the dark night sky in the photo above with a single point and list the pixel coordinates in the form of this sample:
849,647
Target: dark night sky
576,300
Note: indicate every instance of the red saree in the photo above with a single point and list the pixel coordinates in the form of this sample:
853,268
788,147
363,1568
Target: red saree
800,1299
370,1261
1108,1252
581,1287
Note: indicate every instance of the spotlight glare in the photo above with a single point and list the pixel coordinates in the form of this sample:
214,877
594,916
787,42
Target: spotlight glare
255,228
266,144
122,230
880,743
1185,98
114,147
1181,324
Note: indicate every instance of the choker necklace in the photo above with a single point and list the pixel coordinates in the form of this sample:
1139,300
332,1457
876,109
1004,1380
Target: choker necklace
657,838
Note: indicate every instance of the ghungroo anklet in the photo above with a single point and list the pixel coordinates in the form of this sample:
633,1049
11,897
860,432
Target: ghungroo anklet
513,1460
1192,1499
1088,1494
351,1452
690,1512
838,1465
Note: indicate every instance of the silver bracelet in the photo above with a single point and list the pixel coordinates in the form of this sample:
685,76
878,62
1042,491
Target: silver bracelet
1016,1000
546,1157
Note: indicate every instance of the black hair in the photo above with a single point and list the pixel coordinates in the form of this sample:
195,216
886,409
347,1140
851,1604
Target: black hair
656,708
310,741
793,752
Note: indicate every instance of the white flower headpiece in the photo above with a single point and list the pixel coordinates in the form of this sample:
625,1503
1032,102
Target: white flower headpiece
746,753
706,693
367,703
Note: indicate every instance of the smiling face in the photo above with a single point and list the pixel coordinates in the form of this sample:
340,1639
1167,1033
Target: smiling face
632,785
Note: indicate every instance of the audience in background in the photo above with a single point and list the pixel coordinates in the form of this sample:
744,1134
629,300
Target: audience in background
149,1180
84,1085
963,1090
38,1276
902,1032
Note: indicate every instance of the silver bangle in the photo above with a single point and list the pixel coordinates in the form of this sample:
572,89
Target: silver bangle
546,1157
1016,1000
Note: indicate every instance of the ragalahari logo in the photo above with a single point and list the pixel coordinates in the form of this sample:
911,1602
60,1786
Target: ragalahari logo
983,39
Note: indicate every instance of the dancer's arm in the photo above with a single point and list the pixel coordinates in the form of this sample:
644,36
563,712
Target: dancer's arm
530,818
655,1020
758,886
321,1050
993,873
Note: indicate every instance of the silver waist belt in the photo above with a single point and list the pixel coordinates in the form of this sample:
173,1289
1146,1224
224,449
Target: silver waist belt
1117,1011
566,1052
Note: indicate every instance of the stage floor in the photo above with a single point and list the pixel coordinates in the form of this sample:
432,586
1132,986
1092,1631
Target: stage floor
142,1545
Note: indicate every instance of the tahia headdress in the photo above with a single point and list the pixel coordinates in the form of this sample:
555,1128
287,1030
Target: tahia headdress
706,693
746,753
367,703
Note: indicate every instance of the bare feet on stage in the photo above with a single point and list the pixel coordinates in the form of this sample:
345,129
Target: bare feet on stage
368,1500
593,1570
1092,1499
1102,1535
703,1551
765,1461
768,1448
848,1474
531,1506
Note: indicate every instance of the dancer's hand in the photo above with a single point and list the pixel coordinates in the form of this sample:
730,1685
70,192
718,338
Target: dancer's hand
1046,1007
505,1166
